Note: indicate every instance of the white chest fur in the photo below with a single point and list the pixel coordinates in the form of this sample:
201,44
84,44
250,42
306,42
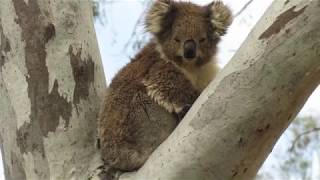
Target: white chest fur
200,77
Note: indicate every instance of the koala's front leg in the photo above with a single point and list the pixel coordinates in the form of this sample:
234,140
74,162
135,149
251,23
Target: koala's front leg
170,88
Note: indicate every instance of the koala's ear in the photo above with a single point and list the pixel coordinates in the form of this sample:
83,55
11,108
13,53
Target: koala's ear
160,16
220,17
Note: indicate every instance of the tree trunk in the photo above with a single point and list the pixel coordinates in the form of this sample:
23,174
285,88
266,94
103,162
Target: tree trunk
51,83
235,123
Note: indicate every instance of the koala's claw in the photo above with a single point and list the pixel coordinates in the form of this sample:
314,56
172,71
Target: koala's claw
183,112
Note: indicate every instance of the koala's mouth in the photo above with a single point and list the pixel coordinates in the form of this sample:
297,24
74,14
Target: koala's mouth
196,60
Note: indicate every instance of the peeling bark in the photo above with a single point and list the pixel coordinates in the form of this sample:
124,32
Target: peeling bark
83,73
4,46
49,93
281,22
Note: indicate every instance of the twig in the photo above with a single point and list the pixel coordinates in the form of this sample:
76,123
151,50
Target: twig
135,28
303,134
134,32
243,8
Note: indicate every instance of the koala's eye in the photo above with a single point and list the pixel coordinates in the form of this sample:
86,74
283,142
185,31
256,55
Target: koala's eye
177,39
202,40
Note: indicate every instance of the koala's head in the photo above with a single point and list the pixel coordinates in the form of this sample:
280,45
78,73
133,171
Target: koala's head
188,33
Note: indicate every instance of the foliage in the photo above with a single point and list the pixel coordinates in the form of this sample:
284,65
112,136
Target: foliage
295,159
95,8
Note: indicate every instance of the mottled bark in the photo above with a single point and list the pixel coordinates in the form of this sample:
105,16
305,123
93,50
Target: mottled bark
233,126
51,83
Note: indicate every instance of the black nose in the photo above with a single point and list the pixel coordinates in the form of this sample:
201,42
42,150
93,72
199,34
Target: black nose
189,49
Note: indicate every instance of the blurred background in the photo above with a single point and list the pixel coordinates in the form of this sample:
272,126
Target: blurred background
120,34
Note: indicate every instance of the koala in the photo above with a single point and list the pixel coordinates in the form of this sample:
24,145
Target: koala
150,95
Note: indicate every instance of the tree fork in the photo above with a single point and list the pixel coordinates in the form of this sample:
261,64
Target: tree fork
234,124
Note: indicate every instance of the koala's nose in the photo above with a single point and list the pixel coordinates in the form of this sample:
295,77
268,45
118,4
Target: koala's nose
190,49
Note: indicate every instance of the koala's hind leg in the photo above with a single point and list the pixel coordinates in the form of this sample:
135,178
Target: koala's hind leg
125,157
147,126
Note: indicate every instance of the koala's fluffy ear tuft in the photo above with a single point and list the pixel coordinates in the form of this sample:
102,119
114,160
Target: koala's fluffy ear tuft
157,18
220,17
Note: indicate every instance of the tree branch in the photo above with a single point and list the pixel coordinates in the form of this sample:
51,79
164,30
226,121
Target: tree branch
135,32
316,129
243,8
